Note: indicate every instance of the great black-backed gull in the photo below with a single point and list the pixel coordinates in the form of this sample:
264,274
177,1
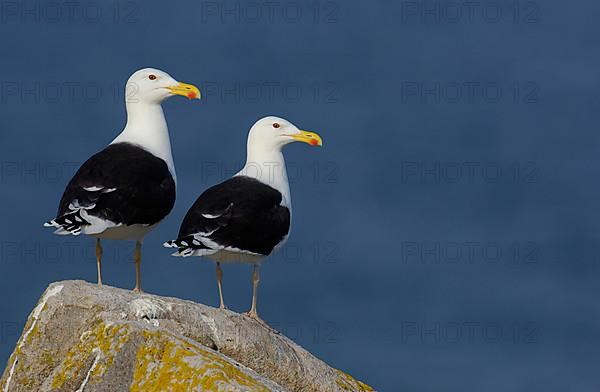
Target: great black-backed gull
246,217
125,190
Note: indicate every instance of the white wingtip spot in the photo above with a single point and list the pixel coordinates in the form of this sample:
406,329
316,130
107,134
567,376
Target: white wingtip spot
210,216
93,188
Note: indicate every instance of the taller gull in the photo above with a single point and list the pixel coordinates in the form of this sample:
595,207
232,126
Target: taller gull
246,217
125,190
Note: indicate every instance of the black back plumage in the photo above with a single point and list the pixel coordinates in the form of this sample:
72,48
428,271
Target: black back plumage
124,183
241,213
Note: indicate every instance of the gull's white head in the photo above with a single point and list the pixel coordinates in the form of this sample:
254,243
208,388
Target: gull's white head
151,85
272,133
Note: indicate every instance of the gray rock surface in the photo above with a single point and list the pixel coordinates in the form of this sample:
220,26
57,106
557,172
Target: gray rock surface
82,338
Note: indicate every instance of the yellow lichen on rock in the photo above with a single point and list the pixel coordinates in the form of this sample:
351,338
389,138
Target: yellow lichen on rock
81,337
349,383
165,362
104,340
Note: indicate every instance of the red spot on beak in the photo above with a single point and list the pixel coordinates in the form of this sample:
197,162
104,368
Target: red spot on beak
314,142
191,95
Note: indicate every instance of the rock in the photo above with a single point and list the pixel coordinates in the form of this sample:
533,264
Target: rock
81,337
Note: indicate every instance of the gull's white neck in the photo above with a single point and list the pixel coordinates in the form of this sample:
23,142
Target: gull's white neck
146,127
268,166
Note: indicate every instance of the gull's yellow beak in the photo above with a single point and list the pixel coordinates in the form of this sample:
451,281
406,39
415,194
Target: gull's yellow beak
187,90
308,137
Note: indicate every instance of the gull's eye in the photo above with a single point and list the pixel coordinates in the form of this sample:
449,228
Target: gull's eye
152,77
276,125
